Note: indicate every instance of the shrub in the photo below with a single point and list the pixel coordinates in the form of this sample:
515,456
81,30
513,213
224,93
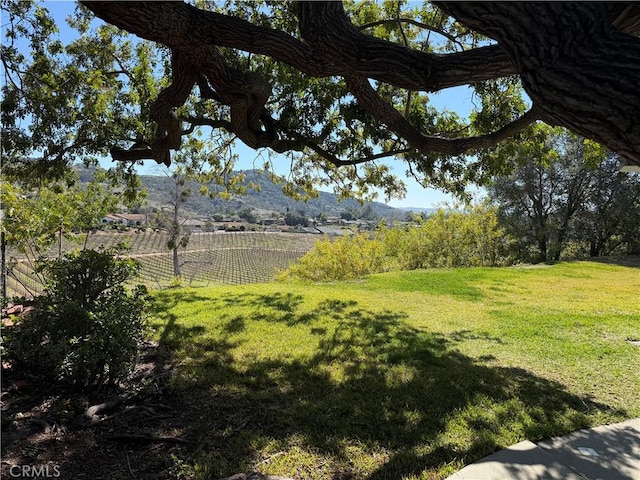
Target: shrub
449,238
454,238
345,258
86,328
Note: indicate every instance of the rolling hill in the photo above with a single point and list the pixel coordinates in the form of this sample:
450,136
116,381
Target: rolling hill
269,199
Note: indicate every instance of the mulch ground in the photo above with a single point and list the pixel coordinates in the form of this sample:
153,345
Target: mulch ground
132,433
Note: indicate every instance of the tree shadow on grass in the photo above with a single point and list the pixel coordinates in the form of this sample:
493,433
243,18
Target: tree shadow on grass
172,333
623,261
375,398
373,381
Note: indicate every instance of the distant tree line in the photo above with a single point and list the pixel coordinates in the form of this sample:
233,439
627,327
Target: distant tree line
568,199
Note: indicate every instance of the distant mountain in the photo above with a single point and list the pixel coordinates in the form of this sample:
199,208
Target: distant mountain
418,209
269,199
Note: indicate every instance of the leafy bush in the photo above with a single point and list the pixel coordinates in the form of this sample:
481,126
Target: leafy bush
345,258
449,238
87,327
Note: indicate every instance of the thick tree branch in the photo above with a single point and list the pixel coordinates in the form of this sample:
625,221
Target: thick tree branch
169,128
209,122
395,121
625,16
580,70
182,26
326,27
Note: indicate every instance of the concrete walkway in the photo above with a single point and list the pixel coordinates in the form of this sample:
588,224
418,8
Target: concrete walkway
609,452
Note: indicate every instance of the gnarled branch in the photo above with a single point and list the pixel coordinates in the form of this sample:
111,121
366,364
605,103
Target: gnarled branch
581,71
578,61
326,27
395,121
179,25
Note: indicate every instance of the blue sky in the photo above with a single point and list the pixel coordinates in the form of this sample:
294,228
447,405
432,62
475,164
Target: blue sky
456,99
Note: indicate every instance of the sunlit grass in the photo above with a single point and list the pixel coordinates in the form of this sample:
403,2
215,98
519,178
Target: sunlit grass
402,375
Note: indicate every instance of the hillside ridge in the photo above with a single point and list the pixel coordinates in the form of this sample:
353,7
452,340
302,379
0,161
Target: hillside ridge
270,198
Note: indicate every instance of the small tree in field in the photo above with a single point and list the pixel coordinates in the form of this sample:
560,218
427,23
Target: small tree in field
209,172
174,223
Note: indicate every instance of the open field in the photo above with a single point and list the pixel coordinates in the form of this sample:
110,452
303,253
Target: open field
404,375
210,258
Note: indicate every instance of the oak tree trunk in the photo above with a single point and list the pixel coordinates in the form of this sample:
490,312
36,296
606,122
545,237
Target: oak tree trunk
579,70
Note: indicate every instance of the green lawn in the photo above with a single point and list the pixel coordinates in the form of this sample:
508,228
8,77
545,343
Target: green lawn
402,375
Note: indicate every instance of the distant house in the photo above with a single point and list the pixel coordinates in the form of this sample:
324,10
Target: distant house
271,221
194,224
109,219
129,219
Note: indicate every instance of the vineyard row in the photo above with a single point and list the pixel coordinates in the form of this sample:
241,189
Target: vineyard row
213,258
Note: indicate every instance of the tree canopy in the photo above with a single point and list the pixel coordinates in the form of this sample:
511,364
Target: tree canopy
339,87
568,199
